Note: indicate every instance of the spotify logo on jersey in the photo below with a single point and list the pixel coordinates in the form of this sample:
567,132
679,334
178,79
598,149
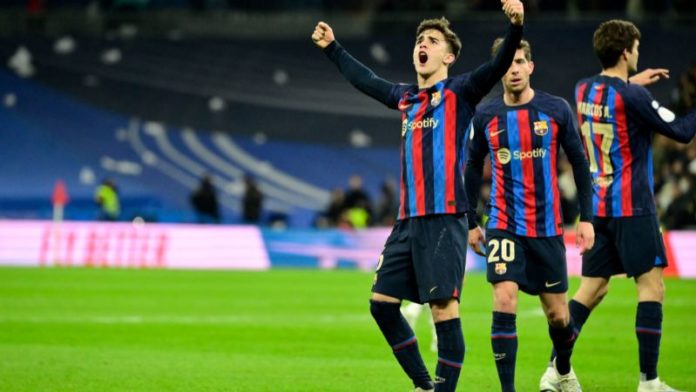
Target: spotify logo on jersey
503,156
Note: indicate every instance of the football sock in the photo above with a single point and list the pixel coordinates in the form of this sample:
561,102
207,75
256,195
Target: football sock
579,314
504,342
649,332
563,339
450,354
402,341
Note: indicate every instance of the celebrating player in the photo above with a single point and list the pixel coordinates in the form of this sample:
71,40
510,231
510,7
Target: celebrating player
424,257
617,121
523,129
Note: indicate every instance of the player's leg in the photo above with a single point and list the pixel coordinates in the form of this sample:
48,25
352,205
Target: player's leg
506,270
649,321
394,280
563,336
504,332
450,343
643,255
411,312
439,260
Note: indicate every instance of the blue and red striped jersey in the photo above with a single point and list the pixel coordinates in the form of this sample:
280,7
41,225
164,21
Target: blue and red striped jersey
434,121
523,143
433,126
617,124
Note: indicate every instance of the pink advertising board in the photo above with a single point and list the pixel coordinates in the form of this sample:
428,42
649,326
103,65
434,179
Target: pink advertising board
141,245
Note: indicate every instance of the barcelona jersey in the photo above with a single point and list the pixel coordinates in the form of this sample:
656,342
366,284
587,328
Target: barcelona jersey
617,122
523,142
434,121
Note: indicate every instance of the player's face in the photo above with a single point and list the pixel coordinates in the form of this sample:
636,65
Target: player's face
633,57
516,79
431,52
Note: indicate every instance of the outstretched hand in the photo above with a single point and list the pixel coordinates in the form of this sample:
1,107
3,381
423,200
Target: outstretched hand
649,76
585,236
323,35
514,10
477,240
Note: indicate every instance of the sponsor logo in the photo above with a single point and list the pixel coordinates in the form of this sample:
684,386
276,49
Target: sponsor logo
500,268
379,263
433,289
503,155
424,123
499,356
436,98
547,284
494,134
541,128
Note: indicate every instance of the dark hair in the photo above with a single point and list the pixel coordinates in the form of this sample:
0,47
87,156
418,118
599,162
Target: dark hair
442,25
524,45
613,37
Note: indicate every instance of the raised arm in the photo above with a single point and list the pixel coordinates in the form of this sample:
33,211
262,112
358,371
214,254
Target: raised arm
657,118
488,74
360,76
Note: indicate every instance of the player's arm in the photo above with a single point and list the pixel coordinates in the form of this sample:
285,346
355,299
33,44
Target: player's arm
360,76
649,76
569,137
657,118
473,178
482,80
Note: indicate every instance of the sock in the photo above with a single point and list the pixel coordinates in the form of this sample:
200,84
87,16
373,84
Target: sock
579,314
402,341
504,342
450,354
649,332
563,339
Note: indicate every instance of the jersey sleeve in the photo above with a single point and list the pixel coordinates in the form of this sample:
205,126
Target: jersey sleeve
482,80
569,137
654,117
473,175
363,78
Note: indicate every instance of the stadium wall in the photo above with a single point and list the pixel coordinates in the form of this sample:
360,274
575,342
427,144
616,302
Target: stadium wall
146,245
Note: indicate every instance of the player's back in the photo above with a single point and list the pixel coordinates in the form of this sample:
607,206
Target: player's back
618,145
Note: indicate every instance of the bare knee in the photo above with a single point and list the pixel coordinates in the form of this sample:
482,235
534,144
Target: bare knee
444,310
651,287
592,291
505,297
558,316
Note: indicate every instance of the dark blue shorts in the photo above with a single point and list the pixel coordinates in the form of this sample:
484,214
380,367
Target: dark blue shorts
424,259
536,264
631,245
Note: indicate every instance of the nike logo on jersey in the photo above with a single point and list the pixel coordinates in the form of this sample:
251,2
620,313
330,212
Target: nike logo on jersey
547,284
496,133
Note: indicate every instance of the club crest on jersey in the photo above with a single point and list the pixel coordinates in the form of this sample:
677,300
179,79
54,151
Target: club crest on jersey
500,268
541,128
436,98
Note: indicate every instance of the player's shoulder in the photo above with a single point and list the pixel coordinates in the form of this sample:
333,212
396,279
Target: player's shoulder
491,106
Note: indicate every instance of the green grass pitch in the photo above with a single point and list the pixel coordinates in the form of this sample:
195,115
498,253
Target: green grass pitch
285,330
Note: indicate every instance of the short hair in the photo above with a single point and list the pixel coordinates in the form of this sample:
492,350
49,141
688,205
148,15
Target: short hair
442,25
613,37
524,45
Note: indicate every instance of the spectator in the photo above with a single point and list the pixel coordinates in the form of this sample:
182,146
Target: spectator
106,197
252,201
205,203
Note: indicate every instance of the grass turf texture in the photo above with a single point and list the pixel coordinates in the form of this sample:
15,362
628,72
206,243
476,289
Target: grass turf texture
284,330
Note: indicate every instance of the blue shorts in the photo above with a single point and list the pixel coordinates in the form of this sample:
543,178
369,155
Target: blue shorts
424,259
631,245
536,264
